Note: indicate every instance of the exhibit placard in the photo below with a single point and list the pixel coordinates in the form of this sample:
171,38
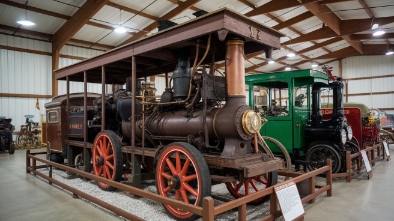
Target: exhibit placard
289,201
366,161
386,150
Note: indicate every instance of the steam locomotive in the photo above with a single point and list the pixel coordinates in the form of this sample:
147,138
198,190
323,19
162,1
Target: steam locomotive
200,132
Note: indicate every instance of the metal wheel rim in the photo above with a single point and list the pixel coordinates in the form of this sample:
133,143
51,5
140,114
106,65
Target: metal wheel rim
167,170
104,148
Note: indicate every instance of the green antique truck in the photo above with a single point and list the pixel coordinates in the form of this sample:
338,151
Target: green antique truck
291,103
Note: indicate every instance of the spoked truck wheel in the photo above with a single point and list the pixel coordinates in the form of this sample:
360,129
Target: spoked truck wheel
107,158
182,174
318,154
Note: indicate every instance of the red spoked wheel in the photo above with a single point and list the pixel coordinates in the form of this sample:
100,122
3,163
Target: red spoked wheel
107,158
252,185
182,174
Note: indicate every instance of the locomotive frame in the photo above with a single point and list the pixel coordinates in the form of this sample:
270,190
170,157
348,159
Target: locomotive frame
223,35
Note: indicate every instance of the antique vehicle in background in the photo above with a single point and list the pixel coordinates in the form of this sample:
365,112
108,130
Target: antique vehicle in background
291,102
200,132
29,134
6,141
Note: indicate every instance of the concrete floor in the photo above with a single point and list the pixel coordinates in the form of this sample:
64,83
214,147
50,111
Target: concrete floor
25,197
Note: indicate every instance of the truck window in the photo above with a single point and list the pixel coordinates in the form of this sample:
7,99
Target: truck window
300,97
271,101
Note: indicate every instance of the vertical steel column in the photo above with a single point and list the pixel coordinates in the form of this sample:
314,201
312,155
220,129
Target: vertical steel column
166,76
67,102
103,97
86,158
136,169
133,95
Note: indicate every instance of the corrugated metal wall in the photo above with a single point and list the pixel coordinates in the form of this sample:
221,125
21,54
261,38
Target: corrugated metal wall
372,67
28,73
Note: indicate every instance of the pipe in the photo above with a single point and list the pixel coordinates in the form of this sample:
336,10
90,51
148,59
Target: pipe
235,68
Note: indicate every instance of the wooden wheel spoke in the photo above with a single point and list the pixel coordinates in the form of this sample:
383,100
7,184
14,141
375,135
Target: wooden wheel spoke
98,147
246,188
189,189
178,162
168,188
189,178
170,165
239,185
106,169
166,175
253,185
177,194
261,180
184,196
110,165
185,167
108,148
99,171
110,157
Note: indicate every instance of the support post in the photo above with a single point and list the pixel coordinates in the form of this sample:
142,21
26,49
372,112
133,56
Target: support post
103,98
242,212
50,174
348,167
312,188
136,172
28,161
86,155
329,177
133,95
208,209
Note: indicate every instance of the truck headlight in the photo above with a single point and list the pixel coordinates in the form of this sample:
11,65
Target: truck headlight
343,136
349,133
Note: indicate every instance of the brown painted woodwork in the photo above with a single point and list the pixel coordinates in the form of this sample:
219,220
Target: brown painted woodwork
127,9
25,95
55,65
76,22
292,21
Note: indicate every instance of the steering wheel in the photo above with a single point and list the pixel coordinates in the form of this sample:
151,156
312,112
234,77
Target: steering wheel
299,100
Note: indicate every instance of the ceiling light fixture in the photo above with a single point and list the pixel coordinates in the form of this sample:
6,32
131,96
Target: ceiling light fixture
390,52
314,65
375,26
291,54
26,22
271,61
119,28
287,68
378,33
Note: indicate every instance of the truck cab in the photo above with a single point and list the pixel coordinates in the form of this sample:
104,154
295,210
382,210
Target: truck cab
291,103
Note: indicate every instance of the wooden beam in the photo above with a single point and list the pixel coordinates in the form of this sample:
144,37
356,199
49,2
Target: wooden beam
321,44
25,31
47,37
25,50
314,35
294,20
332,21
76,22
55,66
358,25
323,2
375,49
273,5
178,2
367,9
342,53
356,37
91,44
182,6
124,8
25,95
49,13
245,2
34,9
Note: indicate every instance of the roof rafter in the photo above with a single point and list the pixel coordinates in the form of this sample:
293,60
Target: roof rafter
76,22
294,20
332,21
127,9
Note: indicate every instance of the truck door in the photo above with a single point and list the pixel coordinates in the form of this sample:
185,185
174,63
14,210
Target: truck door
272,101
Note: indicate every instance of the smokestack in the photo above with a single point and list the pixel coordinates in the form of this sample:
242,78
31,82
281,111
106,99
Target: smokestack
235,68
